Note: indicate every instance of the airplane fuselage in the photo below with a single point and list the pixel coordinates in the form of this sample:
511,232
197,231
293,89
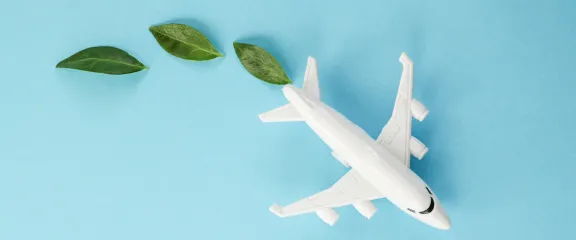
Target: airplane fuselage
373,161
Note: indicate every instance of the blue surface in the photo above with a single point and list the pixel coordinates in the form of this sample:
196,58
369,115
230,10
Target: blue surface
177,152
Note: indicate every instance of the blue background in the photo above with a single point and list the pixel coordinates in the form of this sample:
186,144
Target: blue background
177,152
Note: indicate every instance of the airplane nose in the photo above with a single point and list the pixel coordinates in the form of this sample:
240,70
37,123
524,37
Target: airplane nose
444,223
441,219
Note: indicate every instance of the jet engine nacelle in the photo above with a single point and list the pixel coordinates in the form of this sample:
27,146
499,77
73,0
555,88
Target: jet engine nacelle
366,208
417,148
328,215
419,111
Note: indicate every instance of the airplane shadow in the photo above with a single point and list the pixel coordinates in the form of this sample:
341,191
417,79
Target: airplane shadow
435,167
339,92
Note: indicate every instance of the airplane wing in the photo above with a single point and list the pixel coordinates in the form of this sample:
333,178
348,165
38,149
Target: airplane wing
350,189
396,135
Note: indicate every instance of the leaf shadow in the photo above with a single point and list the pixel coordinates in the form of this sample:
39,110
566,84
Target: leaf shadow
273,47
100,90
207,65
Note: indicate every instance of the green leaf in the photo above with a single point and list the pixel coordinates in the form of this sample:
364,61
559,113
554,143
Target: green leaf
184,42
104,59
261,64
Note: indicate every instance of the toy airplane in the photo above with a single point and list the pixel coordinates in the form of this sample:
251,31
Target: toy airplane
379,168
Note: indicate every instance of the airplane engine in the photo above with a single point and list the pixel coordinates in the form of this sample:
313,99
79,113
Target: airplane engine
366,208
417,148
419,111
328,215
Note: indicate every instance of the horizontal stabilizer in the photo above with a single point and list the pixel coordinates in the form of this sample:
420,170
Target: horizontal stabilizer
276,210
286,113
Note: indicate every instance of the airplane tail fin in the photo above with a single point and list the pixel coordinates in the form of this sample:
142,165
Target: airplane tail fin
311,88
311,84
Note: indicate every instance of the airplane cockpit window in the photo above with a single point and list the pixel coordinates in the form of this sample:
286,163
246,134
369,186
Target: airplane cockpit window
430,208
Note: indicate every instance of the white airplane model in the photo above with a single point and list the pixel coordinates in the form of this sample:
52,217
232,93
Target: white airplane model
379,168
